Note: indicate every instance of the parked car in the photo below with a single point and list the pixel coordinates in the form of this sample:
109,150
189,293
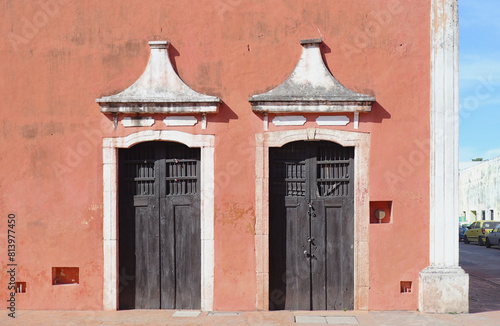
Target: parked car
493,237
461,230
478,231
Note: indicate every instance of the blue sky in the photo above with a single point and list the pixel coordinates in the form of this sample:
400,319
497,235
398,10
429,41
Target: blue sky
479,79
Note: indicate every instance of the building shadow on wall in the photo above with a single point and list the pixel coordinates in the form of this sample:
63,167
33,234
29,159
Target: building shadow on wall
377,114
225,114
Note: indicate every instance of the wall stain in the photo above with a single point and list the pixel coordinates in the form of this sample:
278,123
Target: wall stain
95,207
239,216
7,129
115,53
29,131
52,128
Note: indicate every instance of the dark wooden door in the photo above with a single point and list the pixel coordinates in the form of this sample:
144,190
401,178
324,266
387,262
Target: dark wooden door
159,227
311,226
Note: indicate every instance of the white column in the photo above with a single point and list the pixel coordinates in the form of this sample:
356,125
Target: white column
110,229
207,224
444,286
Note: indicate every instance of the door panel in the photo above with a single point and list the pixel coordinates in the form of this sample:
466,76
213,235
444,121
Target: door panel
296,273
319,256
311,221
168,248
288,224
334,272
146,256
187,254
159,226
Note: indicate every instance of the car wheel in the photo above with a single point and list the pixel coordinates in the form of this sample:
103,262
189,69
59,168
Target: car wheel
480,241
466,240
488,244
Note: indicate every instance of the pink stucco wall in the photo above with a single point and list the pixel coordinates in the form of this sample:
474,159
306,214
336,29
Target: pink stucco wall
51,149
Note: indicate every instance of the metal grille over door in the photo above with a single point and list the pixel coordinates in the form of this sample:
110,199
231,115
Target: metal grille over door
311,220
159,227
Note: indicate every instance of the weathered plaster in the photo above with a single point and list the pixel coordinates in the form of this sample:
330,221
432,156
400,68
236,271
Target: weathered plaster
361,144
53,137
110,204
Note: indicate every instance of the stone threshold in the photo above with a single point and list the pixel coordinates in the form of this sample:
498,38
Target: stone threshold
328,320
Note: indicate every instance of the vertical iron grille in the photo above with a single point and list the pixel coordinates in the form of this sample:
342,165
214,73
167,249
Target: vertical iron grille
333,170
182,170
139,165
288,172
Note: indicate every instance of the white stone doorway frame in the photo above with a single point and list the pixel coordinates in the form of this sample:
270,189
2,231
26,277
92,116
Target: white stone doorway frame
110,208
361,143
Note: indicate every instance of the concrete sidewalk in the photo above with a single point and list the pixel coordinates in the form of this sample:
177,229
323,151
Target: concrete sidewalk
299,318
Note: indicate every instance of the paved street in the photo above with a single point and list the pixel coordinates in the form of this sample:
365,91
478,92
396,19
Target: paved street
483,266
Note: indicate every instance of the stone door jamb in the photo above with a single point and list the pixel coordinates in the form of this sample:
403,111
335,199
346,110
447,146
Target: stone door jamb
111,284
361,143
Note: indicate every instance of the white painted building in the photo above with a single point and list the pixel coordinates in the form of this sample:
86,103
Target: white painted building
479,191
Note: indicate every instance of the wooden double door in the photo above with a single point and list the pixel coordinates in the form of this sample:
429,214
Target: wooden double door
311,226
159,227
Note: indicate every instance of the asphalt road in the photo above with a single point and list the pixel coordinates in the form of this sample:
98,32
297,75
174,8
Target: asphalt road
483,266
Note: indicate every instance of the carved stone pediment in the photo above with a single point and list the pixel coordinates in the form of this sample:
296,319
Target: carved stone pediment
311,88
159,90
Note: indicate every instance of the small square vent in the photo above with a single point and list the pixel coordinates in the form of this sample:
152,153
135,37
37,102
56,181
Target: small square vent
405,286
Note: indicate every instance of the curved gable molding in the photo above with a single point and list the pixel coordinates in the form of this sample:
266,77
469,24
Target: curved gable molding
311,88
159,90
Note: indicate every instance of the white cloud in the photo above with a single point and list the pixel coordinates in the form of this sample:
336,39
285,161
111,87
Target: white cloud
475,69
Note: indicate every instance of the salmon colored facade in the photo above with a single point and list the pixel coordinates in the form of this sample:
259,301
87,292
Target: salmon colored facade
58,57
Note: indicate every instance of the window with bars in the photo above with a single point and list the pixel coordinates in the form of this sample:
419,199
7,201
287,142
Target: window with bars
139,165
332,169
182,177
297,166
144,163
290,178
288,171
